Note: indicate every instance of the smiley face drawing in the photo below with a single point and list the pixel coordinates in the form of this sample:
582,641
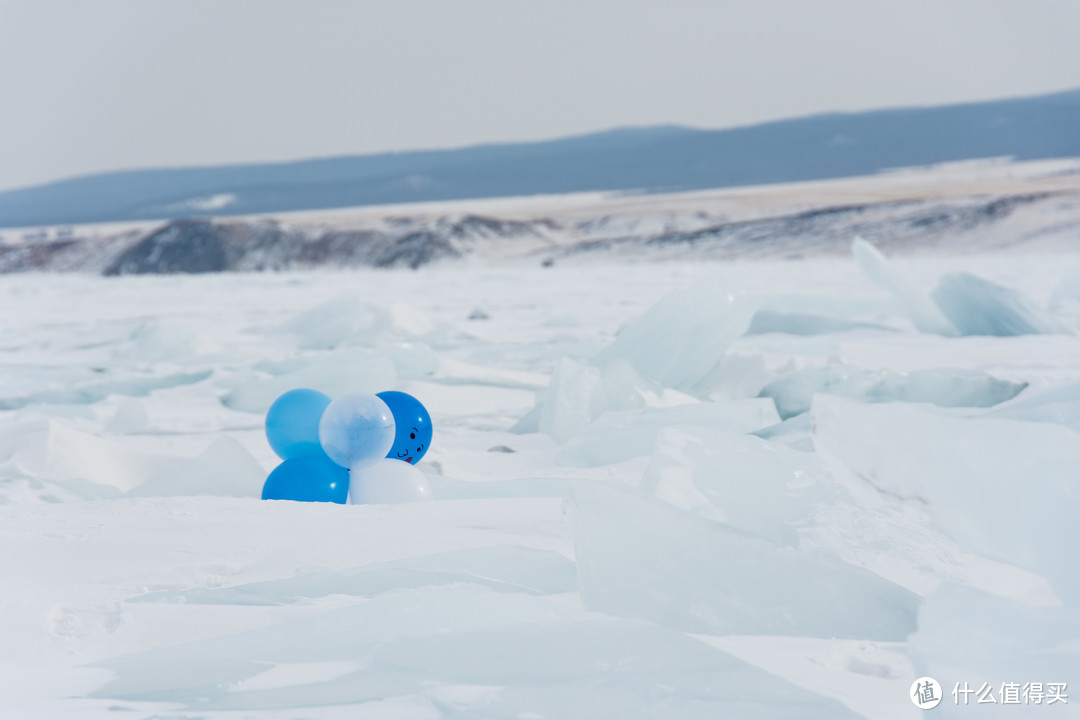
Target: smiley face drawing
412,435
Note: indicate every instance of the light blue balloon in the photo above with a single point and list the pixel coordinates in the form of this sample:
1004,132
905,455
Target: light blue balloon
292,423
312,478
356,430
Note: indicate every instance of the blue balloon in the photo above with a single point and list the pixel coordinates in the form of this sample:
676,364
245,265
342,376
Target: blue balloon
356,430
292,423
412,437
312,478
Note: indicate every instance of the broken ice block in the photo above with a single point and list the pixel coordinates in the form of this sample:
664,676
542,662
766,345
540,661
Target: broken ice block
980,307
679,340
640,557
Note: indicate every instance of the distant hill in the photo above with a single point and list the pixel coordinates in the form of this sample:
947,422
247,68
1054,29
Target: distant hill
667,158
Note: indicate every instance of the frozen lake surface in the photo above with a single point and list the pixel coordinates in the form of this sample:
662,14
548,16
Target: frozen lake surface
757,489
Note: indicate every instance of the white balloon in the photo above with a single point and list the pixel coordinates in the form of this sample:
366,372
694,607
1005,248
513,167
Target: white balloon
387,481
356,429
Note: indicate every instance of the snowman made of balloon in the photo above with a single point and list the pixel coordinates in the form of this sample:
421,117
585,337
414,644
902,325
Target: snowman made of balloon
358,448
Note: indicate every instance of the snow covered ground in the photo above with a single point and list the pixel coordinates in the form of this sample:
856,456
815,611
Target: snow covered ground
768,489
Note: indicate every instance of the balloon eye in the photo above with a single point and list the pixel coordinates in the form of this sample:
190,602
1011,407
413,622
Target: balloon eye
412,436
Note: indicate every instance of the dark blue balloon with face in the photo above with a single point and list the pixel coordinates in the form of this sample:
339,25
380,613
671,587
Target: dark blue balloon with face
311,478
413,423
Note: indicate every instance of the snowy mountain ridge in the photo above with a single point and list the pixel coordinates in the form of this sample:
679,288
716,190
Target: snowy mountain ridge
653,159
953,208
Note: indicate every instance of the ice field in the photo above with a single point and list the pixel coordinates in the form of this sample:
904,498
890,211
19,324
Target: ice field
756,489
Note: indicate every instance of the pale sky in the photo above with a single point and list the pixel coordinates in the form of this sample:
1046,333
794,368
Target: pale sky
87,86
